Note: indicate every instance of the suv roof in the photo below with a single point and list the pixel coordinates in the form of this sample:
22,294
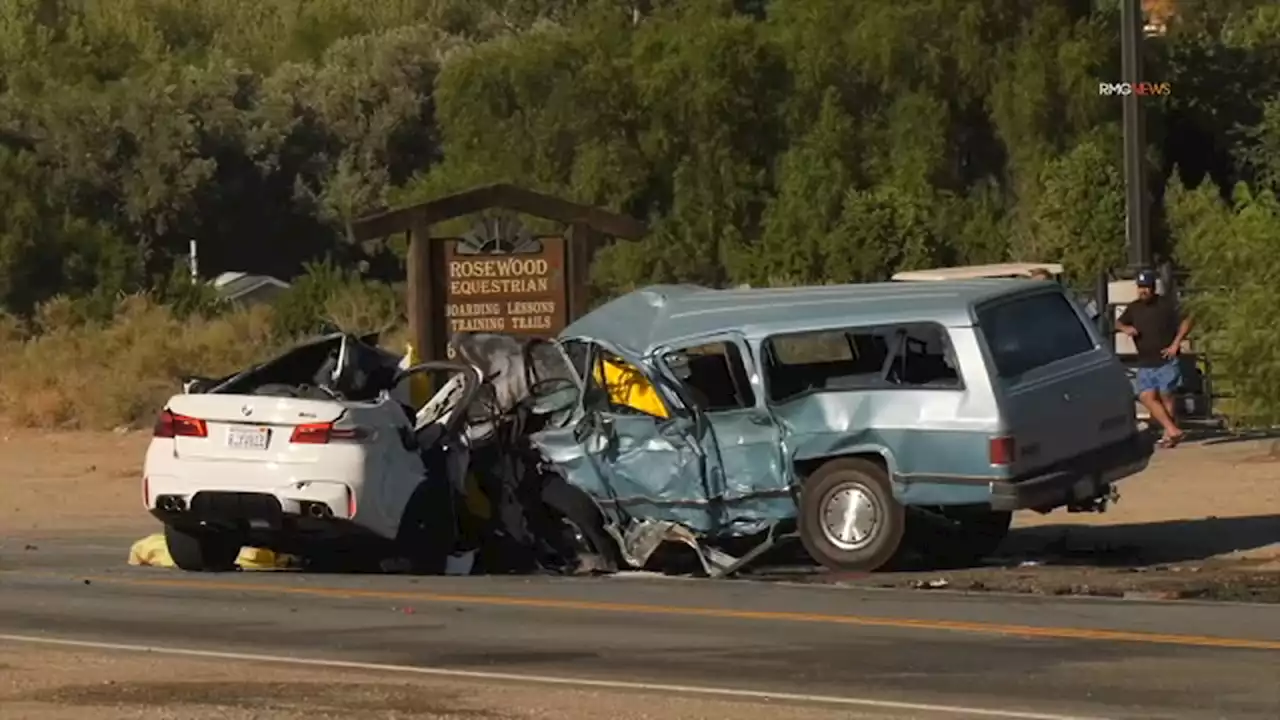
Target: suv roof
642,320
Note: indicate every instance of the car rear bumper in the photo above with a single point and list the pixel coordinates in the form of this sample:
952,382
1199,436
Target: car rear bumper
312,508
263,495
261,518
1080,480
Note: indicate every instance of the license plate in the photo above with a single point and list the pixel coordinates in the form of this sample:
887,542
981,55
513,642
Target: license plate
248,438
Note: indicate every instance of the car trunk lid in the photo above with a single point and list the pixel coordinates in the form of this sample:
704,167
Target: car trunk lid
250,428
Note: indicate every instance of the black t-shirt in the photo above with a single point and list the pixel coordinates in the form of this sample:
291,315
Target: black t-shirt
1157,323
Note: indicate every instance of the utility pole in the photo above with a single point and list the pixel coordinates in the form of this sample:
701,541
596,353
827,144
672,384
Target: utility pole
1137,211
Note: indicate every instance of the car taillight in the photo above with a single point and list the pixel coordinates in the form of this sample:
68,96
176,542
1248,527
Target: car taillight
171,424
1002,450
325,433
351,503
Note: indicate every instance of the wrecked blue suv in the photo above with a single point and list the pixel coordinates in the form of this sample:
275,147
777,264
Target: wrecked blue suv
869,420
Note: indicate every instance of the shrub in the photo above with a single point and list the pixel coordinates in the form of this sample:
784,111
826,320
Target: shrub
328,297
361,307
92,374
1231,251
66,368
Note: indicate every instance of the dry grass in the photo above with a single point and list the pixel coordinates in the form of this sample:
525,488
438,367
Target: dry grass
106,375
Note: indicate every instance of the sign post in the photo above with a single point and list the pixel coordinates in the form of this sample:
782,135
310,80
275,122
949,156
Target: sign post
1137,212
497,277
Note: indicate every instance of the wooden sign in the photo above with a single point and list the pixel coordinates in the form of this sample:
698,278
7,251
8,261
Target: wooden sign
520,290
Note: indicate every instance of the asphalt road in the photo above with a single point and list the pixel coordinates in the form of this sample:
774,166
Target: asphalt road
904,653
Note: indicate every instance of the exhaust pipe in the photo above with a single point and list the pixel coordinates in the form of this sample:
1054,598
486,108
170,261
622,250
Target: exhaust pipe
319,511
171,503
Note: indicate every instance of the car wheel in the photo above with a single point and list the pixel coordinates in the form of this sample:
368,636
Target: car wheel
849,519
202,551
962,535
583,525
428,528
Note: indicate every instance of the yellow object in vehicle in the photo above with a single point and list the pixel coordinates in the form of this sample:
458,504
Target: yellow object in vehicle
476,501
628,387
153,551
419,384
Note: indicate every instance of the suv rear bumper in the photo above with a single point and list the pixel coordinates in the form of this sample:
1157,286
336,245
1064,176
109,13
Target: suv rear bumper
1078,480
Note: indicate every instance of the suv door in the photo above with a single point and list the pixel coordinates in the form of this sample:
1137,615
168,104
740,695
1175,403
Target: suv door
1061,392
637,458
743,447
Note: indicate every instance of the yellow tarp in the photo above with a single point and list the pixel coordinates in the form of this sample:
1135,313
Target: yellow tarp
627,386
153,551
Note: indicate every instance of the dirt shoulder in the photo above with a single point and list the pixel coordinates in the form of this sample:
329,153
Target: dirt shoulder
41,684
1195,502
71,482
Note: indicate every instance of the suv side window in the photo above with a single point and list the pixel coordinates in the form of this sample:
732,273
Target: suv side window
714,376
879,357
1031,332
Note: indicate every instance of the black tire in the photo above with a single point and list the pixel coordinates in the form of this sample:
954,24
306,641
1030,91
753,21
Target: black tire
428,528
584,522
871,480
202,551
961,537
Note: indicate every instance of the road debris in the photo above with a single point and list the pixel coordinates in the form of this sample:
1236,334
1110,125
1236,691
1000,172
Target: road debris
935,584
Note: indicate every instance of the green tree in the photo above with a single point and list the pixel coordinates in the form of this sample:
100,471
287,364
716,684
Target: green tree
1079,216
1259,153
46,251
1233,253
813,179
880,232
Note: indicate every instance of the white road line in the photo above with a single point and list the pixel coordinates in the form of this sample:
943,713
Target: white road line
722,692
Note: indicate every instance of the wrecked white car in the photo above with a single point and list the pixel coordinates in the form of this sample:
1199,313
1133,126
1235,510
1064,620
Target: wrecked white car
313,449
317,454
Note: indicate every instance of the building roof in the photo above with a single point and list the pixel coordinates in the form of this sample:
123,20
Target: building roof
235,285
641,321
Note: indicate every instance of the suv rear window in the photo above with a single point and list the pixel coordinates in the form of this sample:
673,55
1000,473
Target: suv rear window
1031,332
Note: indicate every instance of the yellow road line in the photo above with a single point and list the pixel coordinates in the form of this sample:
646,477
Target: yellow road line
1060,633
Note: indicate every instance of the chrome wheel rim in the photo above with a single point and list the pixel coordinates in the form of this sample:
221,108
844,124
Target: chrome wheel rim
850,516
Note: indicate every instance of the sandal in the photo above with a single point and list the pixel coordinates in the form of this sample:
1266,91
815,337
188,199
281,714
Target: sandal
1171,441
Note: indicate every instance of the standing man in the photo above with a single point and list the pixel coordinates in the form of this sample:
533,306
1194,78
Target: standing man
1158,330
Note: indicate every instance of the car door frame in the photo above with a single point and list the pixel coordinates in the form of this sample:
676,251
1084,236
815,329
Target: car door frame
578,449
757,419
